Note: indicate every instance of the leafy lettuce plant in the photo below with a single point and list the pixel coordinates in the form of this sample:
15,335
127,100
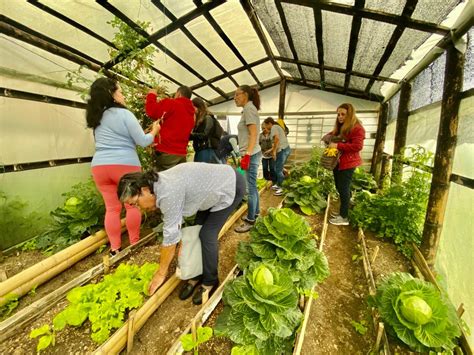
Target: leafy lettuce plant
104,304
284,237
307,194
261,310
417,313
82,213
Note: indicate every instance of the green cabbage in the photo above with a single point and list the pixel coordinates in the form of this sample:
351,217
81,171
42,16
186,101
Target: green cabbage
417,313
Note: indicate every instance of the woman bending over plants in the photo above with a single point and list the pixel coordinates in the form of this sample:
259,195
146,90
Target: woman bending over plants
211,191
348,138
117,133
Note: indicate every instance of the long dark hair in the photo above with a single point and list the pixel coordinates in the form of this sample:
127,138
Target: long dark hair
100,99
202,110
131,184
252,94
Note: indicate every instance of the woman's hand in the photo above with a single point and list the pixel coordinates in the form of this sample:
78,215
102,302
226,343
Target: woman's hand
155,129
157,280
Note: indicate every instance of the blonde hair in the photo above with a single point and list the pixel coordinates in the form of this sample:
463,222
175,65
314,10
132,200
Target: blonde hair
351,120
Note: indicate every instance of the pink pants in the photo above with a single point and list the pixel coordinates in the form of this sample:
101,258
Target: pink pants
106,178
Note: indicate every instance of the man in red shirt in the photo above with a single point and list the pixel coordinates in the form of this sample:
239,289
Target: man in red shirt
177,121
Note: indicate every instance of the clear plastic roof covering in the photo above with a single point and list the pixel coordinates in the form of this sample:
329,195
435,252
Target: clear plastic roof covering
214,46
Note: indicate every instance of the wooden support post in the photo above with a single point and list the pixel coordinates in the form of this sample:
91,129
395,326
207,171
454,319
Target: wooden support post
379,141
374,256
131,330
401,131
444,156
384,171
281,100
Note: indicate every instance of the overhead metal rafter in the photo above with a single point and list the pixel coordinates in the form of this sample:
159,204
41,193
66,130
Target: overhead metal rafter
261,35
148,38
318,27
160,6
337,70
90,32
374,15
338,90
408,10
228,42
355,29
286,29
265,85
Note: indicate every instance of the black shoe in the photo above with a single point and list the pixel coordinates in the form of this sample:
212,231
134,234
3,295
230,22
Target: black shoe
197,298
112,253
187,290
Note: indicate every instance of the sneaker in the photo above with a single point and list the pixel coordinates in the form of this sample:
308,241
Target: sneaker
339,221
334,214
245,219
113,253
244,227
278,192
275,187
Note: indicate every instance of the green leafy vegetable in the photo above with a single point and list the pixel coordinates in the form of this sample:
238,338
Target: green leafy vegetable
360,327
283,237
203,334
261,311
417,313
307,193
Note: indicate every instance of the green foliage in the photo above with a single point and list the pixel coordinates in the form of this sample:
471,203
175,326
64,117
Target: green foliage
10,303
261,184
258,313
16,223
203,334
360,327
362,180
47,337
399,211
283,237
244,350
82,213
313,169
417,313
104,304
307,194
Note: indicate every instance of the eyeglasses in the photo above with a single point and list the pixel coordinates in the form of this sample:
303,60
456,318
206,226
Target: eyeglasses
135,202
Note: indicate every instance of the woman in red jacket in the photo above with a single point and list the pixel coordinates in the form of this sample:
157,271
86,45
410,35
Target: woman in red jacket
349,135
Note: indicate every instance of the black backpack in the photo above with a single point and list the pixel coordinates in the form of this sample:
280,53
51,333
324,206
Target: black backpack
216,133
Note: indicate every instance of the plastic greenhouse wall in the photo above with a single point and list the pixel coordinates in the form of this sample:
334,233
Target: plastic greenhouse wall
454,262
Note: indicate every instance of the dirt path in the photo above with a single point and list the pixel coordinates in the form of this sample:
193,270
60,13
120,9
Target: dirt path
341,300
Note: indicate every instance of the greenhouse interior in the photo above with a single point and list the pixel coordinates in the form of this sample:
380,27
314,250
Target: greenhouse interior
325,177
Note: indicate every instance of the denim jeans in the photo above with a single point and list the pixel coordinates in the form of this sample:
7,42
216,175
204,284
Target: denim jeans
206,156
281,158
253,198
343,179
268,166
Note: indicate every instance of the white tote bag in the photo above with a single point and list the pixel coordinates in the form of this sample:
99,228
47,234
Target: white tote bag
190,257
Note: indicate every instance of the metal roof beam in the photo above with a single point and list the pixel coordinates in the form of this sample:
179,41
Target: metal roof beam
261,35
374,15
408,10
193,39
337,70
355,29
227,41
288,37
318,26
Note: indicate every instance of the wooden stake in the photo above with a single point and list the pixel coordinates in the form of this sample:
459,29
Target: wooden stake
106,262
131,330
374,256
460,310
380,331
444,156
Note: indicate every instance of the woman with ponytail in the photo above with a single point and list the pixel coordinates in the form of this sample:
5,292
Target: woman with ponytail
211,191
117,133
348,137
250,151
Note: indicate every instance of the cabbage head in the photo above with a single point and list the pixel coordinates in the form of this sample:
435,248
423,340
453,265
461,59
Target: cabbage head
417,313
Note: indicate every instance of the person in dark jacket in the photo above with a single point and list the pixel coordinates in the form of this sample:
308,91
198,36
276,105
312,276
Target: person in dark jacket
201,135
350,134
